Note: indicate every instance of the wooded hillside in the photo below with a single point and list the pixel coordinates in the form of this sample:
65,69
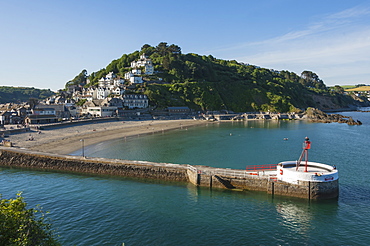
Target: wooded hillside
22,94
208,83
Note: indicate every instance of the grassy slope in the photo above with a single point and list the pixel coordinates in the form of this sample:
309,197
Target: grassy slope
361,88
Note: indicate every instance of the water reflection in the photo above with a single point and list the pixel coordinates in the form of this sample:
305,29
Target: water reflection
300,216
263,124
192,192
294,217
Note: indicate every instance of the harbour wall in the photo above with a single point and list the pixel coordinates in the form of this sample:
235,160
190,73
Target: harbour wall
72,123
10,157
202,176
261,181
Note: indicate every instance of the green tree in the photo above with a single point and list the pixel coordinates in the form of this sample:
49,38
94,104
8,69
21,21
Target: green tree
338,89
22,226
145,46
174,49
33,102
112,67
162,48
147,50
311,79
79,79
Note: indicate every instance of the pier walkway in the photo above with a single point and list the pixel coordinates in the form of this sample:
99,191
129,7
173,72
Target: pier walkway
265,171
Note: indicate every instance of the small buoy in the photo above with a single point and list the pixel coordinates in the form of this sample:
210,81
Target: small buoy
231,134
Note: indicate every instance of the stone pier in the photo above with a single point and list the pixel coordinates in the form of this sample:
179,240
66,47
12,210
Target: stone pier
202,176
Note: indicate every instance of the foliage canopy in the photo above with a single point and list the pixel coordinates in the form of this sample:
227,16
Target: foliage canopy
22,94
22,226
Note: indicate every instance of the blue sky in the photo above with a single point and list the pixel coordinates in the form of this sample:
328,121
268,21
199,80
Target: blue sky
45,43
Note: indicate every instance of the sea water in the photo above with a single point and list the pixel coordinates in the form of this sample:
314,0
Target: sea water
103,210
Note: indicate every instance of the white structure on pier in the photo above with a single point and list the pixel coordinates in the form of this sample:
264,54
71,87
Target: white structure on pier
316,172
303,170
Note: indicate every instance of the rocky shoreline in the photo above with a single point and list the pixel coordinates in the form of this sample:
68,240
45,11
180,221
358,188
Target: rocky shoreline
316,115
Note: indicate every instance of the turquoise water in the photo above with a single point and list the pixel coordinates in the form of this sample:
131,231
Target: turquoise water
100,210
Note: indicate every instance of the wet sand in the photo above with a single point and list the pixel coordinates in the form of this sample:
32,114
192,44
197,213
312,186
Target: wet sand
66,139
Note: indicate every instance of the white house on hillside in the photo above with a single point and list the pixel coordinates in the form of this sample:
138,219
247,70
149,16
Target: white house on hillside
102,108
87,93
135,101
134,76
110,81
144,62
102,92
110,85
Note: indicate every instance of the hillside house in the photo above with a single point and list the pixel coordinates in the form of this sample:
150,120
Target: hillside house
58,110
88,93
102,92
102,107
132,101
101,111
117,91
13,113
144,62
110,81
135,75
5,117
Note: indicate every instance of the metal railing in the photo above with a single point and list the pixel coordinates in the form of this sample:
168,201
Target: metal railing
266,167
232,172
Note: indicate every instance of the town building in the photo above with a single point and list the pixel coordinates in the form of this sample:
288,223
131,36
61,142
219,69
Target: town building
135,75
132,101
178,110
58,110
102,107
40,119
110,81
144,62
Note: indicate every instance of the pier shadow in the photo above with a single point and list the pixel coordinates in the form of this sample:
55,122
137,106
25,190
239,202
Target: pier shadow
225,182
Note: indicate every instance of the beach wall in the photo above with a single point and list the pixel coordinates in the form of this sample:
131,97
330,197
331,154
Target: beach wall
73,123
10,157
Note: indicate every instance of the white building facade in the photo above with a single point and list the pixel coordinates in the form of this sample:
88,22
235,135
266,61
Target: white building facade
132,101
135,75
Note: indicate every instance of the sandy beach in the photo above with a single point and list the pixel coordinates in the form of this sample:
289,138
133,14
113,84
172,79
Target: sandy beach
66,139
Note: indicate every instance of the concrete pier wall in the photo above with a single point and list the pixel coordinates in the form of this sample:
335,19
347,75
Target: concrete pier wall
305,189
206,177
77,164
